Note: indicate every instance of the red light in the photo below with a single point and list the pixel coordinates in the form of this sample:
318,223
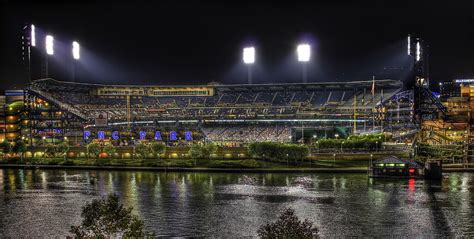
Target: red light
411,170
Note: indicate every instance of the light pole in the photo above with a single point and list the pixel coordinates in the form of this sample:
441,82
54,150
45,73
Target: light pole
334,159
342,144
304,55
248,57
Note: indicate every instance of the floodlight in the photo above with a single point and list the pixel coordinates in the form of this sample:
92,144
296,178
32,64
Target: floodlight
75,50
304,52
49,45
33,35
249,55
409,45
418,51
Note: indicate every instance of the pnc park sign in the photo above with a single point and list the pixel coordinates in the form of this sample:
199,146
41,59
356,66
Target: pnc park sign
172,135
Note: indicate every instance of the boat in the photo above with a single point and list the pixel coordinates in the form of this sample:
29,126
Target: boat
394,167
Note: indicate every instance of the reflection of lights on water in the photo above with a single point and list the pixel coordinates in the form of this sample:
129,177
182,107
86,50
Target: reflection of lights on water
465,184
343,183
411,185
43,179
22,179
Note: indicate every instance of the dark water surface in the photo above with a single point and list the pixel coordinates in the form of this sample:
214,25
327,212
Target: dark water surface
44,203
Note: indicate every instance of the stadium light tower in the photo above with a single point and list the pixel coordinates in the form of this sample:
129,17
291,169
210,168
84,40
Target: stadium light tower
33,35
49,45
76,55
304,55
249,58
75,50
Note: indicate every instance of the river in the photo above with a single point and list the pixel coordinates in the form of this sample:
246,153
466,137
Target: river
45,203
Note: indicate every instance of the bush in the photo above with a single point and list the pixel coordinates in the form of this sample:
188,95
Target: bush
288,225
278,151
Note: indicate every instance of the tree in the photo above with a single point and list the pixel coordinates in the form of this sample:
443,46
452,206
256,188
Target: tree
142,150
63,148
6,147
157,148
209,149
195,151
108,218
20,147
288,225
93,149
202,151
110,149
50,150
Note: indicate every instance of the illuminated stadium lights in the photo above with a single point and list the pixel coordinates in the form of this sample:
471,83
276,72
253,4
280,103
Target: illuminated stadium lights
304,52
249,55
33,35
75,50
49,45
409,44
418,51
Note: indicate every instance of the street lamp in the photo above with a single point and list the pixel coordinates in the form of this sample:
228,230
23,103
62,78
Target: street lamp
248,57
336,135
342,145
304,55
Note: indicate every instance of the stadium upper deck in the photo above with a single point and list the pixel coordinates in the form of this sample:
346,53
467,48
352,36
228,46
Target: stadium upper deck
124,103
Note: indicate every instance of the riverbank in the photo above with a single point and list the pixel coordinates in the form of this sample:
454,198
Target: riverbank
198,169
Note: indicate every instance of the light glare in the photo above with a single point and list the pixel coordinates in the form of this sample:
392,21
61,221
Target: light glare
33,35
249,55
304,52
75,50
49,45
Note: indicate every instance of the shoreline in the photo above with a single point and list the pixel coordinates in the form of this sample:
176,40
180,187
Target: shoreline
228,170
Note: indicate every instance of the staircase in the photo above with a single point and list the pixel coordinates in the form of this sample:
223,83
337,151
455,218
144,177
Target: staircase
61,105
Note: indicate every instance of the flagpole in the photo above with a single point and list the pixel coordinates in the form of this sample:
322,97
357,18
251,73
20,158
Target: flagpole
381,108
373,103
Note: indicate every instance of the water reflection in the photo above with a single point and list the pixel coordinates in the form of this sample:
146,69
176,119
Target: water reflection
231,205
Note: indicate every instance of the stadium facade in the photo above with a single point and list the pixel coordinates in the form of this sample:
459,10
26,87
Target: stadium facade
229,114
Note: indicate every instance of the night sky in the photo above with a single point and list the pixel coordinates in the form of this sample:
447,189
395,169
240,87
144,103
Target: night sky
199,42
